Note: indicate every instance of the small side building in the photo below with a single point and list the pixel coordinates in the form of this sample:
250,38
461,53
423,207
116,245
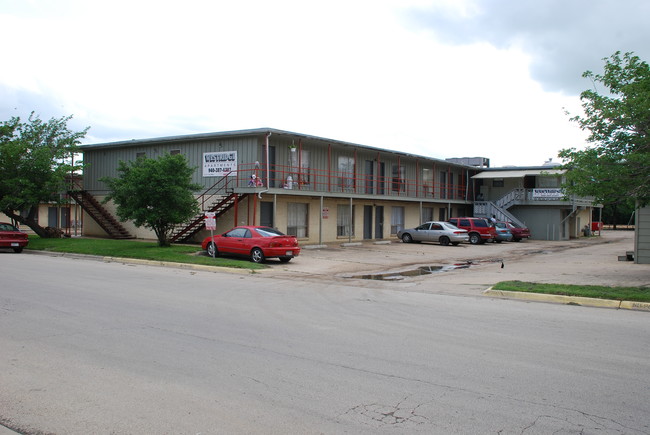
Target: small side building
532,197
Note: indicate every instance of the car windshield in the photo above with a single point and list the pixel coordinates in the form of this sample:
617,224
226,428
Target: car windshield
268,232
450,226
500,225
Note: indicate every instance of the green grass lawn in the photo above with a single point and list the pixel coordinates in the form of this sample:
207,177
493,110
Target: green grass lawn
191,254
633,294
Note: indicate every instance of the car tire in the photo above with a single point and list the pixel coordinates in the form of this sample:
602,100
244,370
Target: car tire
18,250
212,250
285,259
406,238
475,238
444,241
257,256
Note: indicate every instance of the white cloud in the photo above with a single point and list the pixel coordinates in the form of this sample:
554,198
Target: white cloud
358,71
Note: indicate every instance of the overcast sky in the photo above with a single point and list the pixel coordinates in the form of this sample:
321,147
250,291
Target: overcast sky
439,78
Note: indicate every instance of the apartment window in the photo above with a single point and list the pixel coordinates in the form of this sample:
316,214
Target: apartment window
396,219
497,182
427,181
398,175
346,172
174,152
344,220
140,155
546,181
297,219
305,172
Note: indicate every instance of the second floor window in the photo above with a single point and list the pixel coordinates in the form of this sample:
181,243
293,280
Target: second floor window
346,172
397,184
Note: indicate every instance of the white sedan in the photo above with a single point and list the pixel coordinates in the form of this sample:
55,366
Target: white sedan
441,232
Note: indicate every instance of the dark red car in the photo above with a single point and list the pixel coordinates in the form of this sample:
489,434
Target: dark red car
255,242
518,232
12,237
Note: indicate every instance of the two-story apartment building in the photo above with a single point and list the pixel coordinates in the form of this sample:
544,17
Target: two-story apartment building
319,189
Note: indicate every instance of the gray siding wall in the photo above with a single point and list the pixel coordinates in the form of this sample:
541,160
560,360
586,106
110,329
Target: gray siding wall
642,236
105,162
544,223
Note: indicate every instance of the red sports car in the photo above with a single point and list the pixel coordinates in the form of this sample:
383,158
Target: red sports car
12,237
255,242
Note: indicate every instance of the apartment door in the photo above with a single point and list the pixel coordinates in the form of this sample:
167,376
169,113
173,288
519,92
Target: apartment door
379,222
367,222
381,185
266,214
370,178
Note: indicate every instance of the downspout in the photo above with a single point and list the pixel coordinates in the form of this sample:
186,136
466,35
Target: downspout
268,166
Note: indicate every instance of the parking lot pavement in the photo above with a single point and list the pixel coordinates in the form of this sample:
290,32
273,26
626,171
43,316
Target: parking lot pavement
472,268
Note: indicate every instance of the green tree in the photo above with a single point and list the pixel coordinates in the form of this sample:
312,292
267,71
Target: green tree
615,167
35,158
155,193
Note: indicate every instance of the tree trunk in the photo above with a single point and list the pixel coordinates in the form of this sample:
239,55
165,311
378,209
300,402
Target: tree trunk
30,221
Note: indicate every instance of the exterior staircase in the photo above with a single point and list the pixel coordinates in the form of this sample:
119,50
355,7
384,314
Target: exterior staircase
218,199
500,207
103,217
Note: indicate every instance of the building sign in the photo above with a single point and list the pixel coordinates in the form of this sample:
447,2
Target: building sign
548,194
220,163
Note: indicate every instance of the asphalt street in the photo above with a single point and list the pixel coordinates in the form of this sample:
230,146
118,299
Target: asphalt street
98,346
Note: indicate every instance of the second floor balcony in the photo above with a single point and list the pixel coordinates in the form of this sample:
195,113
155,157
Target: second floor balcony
281,179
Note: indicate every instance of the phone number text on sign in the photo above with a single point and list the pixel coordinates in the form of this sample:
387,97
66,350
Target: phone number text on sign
220,163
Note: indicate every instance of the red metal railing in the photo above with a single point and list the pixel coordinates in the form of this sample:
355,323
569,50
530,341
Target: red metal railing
319,180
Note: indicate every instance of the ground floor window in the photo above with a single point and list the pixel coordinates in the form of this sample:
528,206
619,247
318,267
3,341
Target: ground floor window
297,219
396,219
344,220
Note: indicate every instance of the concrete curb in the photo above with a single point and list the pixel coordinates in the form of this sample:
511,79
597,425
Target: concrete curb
189,266
178,265
568,300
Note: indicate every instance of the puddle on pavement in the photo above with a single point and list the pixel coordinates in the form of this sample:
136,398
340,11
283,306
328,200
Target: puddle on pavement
422,270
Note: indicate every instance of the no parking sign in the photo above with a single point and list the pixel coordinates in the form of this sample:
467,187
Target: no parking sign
210,221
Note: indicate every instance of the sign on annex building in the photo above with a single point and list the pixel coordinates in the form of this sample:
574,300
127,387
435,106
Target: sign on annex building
219,164
548,193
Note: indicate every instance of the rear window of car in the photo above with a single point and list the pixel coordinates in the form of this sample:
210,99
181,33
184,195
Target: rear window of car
7,227
268,232
480,223
464,223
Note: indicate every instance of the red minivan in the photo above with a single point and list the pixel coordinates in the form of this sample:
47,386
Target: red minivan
479,229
